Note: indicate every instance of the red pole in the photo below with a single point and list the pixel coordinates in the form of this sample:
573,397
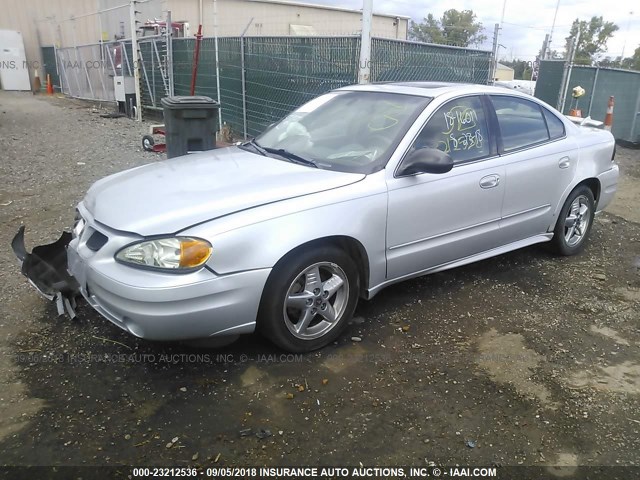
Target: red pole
196,56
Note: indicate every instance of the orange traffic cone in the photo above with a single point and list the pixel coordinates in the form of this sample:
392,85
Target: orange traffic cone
49,85
575,112
608,119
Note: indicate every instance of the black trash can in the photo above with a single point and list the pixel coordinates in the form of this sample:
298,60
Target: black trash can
190,124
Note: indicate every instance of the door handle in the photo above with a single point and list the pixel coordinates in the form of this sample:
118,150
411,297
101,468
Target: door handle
564,162
490,181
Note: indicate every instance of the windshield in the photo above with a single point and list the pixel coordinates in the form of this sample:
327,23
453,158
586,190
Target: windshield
348,131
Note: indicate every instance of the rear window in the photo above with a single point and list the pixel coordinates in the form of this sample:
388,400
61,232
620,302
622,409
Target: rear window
554,124
521,122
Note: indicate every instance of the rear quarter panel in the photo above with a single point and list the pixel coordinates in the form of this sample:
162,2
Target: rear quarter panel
595,149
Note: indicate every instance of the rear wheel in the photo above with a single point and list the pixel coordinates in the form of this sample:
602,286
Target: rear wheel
309,298
574,222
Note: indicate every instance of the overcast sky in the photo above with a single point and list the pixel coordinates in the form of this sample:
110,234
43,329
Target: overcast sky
525,23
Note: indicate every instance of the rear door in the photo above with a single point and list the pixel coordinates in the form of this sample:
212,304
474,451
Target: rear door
539,161
434,219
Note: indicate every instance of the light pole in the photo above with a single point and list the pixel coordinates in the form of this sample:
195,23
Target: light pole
626,35
553,26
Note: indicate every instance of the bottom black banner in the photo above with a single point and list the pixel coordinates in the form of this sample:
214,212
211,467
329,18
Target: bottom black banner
369,472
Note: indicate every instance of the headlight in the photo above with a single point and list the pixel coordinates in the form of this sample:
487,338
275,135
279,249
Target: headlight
174,253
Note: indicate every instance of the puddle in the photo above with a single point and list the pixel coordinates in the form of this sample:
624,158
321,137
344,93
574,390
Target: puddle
621,378
337,362
251,376
16,408
507,360
629,294
610,333
565,465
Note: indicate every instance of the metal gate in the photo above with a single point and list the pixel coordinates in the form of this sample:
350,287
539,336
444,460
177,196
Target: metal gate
87,71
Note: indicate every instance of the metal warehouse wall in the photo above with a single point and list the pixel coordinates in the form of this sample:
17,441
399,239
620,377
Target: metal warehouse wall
273,18
599,83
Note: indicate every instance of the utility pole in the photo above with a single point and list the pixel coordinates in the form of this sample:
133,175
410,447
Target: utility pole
364,69
624,45
504,9
545,47
553,25
494,59
136,58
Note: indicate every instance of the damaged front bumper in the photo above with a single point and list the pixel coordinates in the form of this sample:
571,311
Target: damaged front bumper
46,269
148,304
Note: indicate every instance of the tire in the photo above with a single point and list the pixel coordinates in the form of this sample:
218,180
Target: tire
147,143
574,222
301,323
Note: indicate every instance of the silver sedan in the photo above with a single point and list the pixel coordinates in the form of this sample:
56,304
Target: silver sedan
360,188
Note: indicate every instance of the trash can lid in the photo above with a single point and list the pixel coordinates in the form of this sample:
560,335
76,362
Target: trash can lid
183,101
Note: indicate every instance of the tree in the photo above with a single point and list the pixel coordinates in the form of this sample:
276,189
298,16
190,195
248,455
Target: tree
454,28
635,60
594,35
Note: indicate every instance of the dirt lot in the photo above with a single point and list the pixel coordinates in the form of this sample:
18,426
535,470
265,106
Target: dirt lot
525,359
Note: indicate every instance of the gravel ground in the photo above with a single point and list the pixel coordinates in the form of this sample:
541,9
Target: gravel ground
524,359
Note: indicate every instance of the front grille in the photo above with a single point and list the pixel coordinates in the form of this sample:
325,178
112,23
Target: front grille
96,241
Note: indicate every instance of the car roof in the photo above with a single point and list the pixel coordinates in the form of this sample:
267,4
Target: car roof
432,89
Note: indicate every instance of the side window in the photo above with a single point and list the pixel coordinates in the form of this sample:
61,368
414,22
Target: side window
521,122
458,128
554,124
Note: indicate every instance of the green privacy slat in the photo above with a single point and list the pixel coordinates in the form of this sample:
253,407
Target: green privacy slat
282,73
624,85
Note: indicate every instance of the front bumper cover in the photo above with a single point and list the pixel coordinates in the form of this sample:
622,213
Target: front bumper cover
46,269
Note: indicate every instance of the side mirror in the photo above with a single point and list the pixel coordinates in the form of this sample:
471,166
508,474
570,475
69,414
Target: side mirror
426,160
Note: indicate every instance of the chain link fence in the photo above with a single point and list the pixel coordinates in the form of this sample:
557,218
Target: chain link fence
394,60
282,73
261,78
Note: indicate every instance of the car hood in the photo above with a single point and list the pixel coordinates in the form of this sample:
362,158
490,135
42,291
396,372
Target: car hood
171,195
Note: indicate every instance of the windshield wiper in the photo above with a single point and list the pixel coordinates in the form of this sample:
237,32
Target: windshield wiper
253,144
291,156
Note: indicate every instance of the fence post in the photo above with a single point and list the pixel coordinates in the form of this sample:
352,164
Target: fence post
364,67
593,90
566,76
136,59
634,120
244,83
215,45
169,40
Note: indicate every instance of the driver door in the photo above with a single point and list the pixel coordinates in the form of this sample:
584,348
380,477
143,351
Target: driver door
435,219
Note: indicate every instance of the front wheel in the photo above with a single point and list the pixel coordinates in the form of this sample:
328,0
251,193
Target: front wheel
308,299
574,222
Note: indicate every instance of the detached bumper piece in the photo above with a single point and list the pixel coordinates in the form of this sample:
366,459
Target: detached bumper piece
46,269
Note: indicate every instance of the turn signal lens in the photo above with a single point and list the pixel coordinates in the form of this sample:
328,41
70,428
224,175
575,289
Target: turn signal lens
194,252
173,253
